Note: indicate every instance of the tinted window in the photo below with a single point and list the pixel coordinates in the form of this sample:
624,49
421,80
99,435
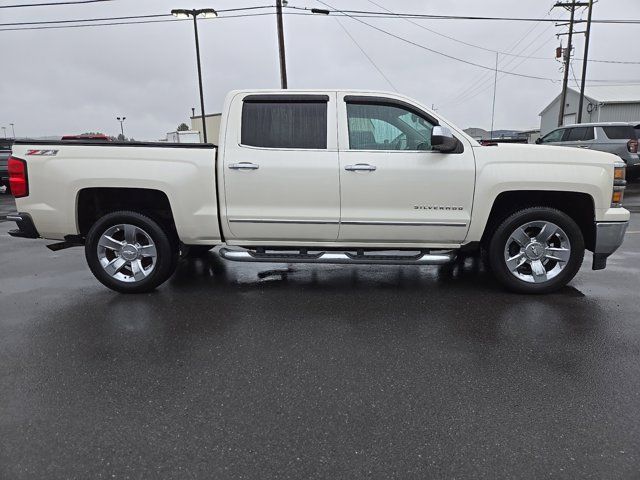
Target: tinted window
285,124
589,135
579,134
620,132
554,136
387,127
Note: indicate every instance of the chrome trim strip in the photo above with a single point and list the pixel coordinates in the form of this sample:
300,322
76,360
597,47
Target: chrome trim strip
348,222
14,217
405,224
294,222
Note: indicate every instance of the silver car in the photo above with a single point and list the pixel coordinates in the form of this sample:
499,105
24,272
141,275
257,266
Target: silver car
619,138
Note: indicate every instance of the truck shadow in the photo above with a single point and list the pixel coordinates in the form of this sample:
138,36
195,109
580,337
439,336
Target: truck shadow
467,274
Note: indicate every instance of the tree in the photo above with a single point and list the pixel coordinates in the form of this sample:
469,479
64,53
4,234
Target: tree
183,127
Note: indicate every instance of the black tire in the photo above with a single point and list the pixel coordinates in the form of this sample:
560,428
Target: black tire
165,260
500,238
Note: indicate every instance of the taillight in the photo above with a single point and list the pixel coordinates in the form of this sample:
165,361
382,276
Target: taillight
632,145
18,180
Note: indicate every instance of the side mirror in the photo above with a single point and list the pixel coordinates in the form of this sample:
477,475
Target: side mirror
443,140
538,140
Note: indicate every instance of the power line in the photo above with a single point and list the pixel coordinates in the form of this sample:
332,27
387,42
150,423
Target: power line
51,4
373,14
446,55
478,85
486,84
479,47
139,22
105,19
366,55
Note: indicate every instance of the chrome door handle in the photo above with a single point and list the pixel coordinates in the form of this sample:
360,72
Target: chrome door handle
244,166
583,146
360,167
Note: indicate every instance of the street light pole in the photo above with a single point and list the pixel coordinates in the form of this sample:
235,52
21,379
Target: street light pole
13,131
207,13
121,120
204,123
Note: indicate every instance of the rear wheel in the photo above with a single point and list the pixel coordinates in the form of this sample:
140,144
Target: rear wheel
130,253
536,250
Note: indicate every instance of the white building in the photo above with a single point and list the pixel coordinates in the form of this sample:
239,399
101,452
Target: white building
213,126
617,103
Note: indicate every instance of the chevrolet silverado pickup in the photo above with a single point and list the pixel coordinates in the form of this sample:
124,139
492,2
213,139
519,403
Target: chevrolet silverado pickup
308,176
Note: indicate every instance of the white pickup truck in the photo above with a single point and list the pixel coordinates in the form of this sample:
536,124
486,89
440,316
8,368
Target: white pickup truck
323,177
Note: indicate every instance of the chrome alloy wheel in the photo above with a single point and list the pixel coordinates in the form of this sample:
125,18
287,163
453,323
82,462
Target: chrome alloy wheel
537,252
127,253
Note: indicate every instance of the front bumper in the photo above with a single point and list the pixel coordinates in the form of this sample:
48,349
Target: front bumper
26,228
609,236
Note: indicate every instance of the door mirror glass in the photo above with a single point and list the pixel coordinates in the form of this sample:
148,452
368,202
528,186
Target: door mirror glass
443,140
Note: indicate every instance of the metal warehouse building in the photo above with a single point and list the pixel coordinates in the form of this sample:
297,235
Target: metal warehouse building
619,103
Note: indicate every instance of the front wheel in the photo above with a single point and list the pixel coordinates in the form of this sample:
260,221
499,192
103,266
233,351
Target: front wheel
536,250
130,253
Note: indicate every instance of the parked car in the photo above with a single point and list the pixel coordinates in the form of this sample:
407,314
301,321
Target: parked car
5,153
323,177
619,138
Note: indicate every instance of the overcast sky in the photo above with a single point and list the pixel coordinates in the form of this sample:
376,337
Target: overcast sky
69,81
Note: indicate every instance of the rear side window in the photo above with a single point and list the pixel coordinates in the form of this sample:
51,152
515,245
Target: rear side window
621,132
272,123
580,133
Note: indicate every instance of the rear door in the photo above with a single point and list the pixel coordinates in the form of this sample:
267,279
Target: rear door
280,165
394,187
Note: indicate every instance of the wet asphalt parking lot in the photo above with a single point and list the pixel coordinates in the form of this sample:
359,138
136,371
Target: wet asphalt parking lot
237,371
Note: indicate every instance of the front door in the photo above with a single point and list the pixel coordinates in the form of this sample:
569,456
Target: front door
281,178
394,188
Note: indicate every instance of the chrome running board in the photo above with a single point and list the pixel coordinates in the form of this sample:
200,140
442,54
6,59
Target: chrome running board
422,258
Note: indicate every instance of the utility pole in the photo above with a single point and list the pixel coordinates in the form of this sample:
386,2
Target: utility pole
283,63
585,60
567,60
495,87
567,54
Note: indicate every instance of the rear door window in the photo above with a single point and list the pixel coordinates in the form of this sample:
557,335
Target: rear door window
272,123
579,134
620,132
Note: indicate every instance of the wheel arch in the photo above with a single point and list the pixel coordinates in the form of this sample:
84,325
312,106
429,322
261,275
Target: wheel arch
95,202
579,206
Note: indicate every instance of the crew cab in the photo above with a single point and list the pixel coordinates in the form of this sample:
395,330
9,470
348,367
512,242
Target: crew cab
310,176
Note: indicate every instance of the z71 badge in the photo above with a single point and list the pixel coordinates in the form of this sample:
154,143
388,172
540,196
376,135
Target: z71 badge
43,153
